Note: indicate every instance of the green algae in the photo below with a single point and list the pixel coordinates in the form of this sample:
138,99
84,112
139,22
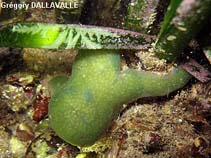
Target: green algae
58,36
183,21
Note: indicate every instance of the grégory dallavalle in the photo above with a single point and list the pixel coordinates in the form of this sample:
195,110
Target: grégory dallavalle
61,5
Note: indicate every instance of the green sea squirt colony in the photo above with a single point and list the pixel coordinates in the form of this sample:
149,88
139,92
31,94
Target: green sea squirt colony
83,105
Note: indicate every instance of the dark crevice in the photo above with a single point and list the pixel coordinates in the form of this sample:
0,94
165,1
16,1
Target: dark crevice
10,60
160,10
104,13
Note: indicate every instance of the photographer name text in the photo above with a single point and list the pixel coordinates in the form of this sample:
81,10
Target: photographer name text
43,5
